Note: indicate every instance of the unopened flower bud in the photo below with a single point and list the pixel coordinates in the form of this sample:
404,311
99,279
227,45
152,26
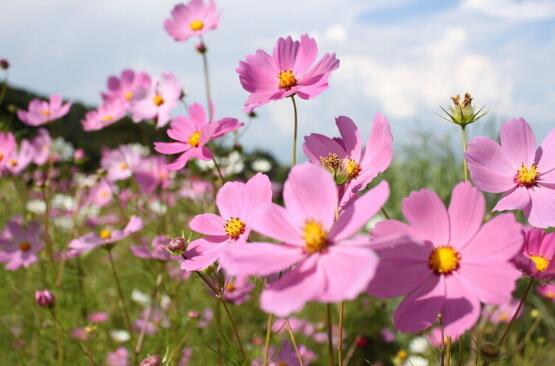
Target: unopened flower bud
489,351
45,299
201,48
4,64
252,114
176,246
154,360
463,112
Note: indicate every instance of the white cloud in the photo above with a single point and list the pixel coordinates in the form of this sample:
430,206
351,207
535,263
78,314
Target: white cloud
514,10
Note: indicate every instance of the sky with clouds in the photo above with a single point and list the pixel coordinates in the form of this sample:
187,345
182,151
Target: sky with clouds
401,57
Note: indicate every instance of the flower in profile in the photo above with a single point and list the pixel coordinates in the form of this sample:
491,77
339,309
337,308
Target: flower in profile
537,258
41,145
330,263
548,291
502,313
191,134
98,317
19,244
453,264
524,173
129,86
104,237
352,165
7,146
291,70
42,111
159,101
237,204
45,298
107,114
121,162
193,19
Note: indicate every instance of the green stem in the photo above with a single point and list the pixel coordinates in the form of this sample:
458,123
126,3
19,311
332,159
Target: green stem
207,82
267,341
217,166
330,336
464,144
81,345
340,341
153,296
4,88
292,336
295,127
120,292
515,315
234,327
384,212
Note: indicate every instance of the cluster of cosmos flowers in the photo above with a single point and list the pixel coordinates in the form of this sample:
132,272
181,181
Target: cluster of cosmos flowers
309,241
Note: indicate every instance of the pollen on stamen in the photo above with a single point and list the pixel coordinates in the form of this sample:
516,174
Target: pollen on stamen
315,237
158,100
286,79
194,139
541,263
128,95
105,234
197,25
444,260
527,176
234,228
24,246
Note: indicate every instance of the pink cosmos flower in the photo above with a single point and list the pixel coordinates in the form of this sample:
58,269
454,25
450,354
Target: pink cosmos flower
196,189
237,204
537,258
291,70
45,298
502,313
160,100
547,291
100,194
156,251
285,355
41,112
7,146
352,166
128,87
524,173
98,317
121,161
329,263
19,244
191,134
454,263
104,237
41,146
152,173
107,114
237,289
193,19
20,158
119,357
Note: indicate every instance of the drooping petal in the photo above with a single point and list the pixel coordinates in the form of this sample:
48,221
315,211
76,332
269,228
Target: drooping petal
466,213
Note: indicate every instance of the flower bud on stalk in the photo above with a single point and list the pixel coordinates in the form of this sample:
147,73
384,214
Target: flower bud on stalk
176,246
4,64
462,112
201,48
45,299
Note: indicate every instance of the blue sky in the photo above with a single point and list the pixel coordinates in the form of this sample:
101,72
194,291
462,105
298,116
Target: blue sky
400,57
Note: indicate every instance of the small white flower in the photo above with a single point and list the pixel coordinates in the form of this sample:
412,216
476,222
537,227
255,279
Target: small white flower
65,223
119,335
63,202
158,208
418,345
37,207
204,165
140,297
63,149
416,361
261,165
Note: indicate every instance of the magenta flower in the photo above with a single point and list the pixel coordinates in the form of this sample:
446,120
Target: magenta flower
152,173
107,114
285,355
547,291
502,313
121,162
191,134
45,298
524,173
352,166
20,244
41,111
455,263
104,237
329,263
128,87
7,146
41,145
193,19
291,70
237,204
537,258
160,100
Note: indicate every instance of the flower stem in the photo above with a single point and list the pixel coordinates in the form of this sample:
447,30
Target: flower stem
464,144
120,292
330,336
384,212
234,327
267,341
340,341
81,345
207,83
292,336
217,166
518,309
153,296
295,125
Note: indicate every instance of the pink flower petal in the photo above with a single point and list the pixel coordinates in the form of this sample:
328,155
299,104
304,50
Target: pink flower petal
542,213
518,142
491,280
208,224
461,309
466,213
260,259
426,214
546,161
517,199
273,221
201,253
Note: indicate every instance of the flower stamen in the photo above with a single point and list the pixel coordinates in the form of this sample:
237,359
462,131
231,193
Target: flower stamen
540,262
315,237
286,79
527,176
234,228
444,260
194,139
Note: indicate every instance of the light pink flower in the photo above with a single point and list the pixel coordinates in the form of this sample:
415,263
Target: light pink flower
104,237
20,244
547,291
502,313
352,165
41,111
285,355
237,289
160,100
107,114
524,173
7,146
191,134
330,263
196,189
152,173
121,161
237,203
20,158
193,19
291,70
119,357
129,86
98,317
537,258
41,146
454,263
100,194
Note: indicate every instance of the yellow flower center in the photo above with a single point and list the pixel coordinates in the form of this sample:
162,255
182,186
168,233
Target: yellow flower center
105,234
1,156
123,166
45,112
234,228
128,95
527,176
315,237
13,163
158,100
230,287
550,294
540,262
444,260
197,25
24,246
286,79
107,118
504,316
352,169
194,139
